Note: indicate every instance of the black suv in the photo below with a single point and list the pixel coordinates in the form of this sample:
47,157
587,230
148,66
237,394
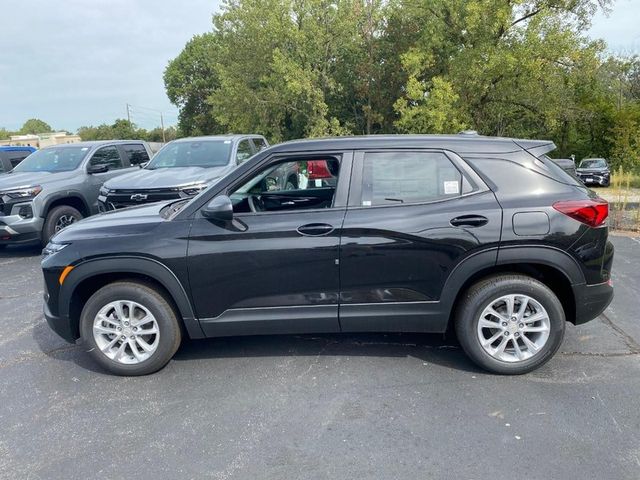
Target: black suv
411,233
594,171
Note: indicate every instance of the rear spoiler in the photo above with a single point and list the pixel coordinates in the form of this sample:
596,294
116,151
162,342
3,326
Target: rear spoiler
537,148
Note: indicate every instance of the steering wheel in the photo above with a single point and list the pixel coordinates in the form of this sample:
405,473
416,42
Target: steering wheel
256,204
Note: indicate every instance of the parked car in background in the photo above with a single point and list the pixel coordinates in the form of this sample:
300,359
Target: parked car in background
181,169
412,233
57,186
567,164
10,157
594,171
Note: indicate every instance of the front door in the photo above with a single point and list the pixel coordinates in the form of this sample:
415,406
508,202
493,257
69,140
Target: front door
274,268
412,217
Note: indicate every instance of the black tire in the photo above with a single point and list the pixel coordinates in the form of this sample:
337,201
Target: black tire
54,216
170,333
481,295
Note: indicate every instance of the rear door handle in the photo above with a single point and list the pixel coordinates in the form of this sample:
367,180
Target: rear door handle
469,221
315,229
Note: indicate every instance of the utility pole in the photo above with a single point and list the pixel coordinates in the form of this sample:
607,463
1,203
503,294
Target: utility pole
128,115
164,140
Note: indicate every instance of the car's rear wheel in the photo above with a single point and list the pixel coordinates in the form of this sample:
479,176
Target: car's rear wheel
130,328
510,324
57,219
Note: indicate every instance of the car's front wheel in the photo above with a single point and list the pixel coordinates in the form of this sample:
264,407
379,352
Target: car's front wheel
130,328
58,218
510,324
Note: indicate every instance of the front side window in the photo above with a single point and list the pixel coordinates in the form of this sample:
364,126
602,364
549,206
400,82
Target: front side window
197,153
244,152
260,144
136,154
53,159
107,156
395,178
289,185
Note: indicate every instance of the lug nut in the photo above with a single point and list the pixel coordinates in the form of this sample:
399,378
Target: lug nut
521,325
119,329
132,337
506,334
504,324
135,329
126,324
123,337
516,334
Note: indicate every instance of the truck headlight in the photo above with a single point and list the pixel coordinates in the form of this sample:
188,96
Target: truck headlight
22,193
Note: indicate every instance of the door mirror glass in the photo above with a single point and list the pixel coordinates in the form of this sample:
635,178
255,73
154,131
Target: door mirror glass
220,208
99,168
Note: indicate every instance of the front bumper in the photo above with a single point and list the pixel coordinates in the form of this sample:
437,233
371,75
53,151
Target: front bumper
591,301
594,178
60,324
16,229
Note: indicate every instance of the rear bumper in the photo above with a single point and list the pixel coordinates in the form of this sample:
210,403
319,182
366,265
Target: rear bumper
591,301
60,324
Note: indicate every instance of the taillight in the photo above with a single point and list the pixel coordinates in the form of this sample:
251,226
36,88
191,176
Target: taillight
593,212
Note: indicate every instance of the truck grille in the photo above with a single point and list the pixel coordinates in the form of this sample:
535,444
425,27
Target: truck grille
128,198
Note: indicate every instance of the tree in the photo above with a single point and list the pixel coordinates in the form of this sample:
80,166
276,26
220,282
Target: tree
190,79
35,126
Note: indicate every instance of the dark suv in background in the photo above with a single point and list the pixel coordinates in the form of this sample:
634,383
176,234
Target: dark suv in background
394,233
57,186
594,171
181,169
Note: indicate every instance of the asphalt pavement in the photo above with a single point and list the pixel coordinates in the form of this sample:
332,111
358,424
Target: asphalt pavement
319,406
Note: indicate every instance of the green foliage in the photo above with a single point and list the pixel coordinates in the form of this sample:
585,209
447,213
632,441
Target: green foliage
5,134
125,130
301,68
34,126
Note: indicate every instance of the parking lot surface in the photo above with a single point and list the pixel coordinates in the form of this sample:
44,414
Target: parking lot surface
319,406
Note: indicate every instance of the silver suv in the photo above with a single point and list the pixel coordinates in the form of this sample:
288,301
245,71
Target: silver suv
59,185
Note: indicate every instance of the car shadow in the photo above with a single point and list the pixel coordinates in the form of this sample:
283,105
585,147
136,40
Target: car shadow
20,251
429,348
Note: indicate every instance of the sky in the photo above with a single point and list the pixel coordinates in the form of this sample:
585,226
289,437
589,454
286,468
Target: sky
79,62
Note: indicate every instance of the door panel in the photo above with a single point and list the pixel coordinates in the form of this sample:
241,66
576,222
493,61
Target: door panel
260,274
395,259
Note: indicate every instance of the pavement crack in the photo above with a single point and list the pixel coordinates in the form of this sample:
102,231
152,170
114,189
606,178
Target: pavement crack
630,342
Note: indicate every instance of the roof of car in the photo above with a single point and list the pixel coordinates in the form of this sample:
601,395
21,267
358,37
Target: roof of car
95,143
230,136
16,148
462,143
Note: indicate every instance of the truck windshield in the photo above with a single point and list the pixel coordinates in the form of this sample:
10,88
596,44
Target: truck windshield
593,163
53,159
200,153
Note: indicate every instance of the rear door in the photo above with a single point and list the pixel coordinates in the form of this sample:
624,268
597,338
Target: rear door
412,217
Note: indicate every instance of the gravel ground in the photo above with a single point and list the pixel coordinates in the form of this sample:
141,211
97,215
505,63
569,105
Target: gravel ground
319,407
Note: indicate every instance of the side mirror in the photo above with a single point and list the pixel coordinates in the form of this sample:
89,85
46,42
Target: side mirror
100,168
220,208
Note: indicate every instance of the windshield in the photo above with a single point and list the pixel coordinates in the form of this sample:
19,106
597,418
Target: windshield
201,153
593,163
53,159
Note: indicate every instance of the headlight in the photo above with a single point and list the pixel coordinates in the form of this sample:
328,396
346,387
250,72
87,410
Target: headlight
104,191
22,193
52,248
191,190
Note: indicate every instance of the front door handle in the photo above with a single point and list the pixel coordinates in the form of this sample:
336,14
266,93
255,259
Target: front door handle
315,229
469,221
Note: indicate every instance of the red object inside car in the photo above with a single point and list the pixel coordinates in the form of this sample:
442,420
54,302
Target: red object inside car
317,170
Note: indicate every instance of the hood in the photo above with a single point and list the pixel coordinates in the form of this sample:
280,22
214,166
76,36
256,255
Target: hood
165,178
592,170
26,179
129,221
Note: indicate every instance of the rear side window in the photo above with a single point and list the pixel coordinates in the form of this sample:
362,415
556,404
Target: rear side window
244,152
259,143
136,154
107,156
394,178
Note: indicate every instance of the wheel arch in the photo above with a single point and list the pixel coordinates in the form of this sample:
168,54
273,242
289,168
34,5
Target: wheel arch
75,200
553,267
89,276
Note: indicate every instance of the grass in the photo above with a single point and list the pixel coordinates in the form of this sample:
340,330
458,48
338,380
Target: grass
624,208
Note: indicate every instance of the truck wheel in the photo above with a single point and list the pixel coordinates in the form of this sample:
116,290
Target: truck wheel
130,328
510,324
57,219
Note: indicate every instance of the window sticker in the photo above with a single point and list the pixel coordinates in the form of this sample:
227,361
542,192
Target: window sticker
366,203
451,188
